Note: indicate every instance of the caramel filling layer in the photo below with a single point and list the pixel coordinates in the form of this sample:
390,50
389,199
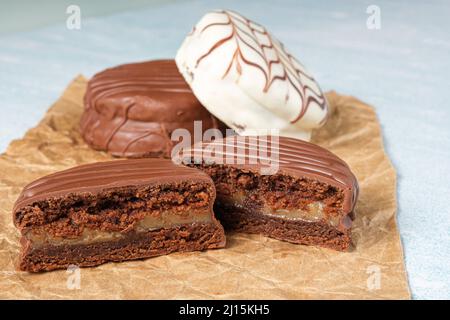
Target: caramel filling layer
314,212
165,219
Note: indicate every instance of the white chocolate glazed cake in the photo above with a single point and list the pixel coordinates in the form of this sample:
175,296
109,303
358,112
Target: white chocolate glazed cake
245,77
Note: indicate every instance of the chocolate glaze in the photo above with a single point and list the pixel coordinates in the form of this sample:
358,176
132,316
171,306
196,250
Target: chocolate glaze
295,157
132,109
100,176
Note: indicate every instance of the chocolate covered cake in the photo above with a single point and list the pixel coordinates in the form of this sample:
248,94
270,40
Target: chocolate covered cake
115,211
283,188
131,110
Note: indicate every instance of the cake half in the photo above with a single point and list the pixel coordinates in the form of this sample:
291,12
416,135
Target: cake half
280,187
115,211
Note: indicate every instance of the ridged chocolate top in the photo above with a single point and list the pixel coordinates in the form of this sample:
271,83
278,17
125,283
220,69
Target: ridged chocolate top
293,156
99,176
158,79
131,109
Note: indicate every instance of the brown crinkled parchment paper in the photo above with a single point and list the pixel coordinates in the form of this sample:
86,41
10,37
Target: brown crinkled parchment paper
251,266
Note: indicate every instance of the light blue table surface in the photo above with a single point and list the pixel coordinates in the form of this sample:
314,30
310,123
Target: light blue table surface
403,70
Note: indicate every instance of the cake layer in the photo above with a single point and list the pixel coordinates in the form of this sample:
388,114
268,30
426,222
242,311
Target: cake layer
192,237
132,109
294,231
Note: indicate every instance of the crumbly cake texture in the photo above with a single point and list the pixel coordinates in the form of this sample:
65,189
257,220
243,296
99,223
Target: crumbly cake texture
277,193
310,199
115,211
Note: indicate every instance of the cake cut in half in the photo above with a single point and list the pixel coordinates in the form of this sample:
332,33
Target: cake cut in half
115,211
280,187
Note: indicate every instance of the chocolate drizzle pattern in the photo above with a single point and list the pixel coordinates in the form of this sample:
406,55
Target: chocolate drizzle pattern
131,110
254,37
104,175
296,157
